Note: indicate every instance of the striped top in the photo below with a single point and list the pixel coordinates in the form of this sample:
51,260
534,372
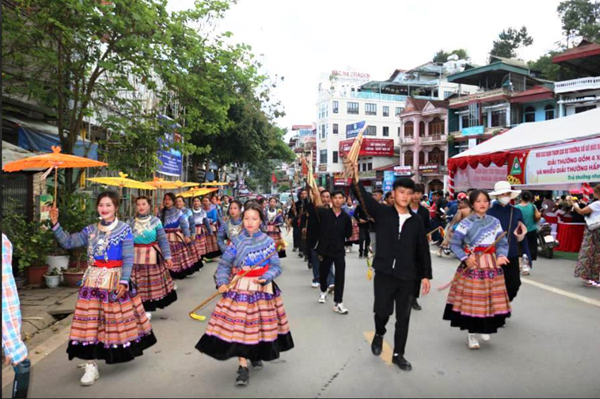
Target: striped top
173,218
119,245
148,230
12,344
274,217
213,215
476,231
191,220
249,251
200,218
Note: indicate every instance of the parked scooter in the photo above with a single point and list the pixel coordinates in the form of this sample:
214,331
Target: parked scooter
546,241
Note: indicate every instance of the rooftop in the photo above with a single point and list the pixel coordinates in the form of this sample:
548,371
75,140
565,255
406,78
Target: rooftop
584,58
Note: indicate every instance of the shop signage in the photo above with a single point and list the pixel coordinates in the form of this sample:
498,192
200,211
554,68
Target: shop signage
170,159
577,162
430,168
473,131
340,181
482,178
370,147
353,129
403,170
388,180
323,167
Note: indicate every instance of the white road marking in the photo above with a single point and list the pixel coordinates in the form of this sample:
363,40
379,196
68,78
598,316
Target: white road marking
558,291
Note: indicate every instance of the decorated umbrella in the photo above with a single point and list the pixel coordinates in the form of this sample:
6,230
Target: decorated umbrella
122,181
53,161
198,192
162,184
215,184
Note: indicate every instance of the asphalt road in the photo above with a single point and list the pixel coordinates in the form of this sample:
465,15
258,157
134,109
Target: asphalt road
550,347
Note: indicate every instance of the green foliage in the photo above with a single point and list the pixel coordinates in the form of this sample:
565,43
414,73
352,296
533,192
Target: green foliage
580,19
284,188
442,56
31,241
509,41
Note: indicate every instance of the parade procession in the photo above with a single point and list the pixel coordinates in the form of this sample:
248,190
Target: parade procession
182,217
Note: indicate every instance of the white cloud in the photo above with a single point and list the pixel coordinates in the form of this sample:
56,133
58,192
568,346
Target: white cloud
302,39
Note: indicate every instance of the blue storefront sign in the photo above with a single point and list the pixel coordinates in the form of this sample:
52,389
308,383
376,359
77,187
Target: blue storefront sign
171,160
388,180
473,131
353,129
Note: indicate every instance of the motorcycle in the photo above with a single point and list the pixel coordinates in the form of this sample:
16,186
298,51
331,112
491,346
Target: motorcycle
546,241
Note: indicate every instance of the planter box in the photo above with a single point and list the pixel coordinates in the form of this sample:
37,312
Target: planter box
57,262
35,274
73,280
52,281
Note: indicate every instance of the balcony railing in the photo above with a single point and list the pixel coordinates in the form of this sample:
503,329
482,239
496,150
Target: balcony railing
481,96
367,95
434,139
569,86
407,140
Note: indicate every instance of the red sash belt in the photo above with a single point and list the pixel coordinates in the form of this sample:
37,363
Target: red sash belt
143,245
489,250
254,273
173,230
108,264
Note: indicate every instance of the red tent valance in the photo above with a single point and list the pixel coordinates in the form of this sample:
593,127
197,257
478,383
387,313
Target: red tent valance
498,158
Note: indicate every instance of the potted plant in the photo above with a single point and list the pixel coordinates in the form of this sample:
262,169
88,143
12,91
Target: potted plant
73,277
78,259
53,278
58,257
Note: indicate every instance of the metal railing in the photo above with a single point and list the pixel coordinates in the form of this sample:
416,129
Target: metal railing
481,96
385,97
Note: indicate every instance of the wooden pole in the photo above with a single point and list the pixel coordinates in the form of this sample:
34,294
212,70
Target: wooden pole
55,184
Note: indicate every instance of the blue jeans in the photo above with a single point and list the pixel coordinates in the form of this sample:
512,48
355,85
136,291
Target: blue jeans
315,268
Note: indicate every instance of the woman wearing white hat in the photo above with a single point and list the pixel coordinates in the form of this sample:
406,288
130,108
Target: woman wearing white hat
513,223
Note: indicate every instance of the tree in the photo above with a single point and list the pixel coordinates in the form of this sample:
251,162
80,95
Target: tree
580,19
442,56
509,41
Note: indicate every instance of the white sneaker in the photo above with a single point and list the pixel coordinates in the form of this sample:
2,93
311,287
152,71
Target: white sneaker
472,342
485,337
339,308
525,271
91,374
331,288
323,297
347,250
174,287
315,285
149,316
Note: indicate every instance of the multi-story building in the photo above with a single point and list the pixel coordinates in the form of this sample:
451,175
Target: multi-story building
509,94
582,94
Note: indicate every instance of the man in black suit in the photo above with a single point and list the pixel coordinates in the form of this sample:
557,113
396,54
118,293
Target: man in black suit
423,212
402,262
295,215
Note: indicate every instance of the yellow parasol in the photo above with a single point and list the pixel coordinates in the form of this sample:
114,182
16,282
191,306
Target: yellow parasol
215,184
198,192
163,184
52,161
122,181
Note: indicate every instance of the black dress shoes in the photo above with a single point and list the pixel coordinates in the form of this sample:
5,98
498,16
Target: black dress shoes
377,345
416,306
401,362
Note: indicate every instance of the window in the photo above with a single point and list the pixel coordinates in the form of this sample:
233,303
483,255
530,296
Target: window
386,111
323,157
386,131
370,109
422,158
335,128
409,158
422,129
499,118
371,131
579,110
398,111
353,108
409,129
436,127
529,114
370,166
549,111
399,130
335,157
336,107
437,156
465,121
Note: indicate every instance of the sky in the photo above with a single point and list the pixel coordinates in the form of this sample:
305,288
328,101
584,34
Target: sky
301,39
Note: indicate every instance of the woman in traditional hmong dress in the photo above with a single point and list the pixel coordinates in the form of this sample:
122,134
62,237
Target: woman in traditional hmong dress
212,248
202,227
176,226
588,261
274,221
232,227
350,208
191,247
478,300
249,321
152,256
109,322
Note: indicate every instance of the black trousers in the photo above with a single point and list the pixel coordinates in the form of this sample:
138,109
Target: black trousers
297,235
532,241
340,275
390,291
364,240
512,277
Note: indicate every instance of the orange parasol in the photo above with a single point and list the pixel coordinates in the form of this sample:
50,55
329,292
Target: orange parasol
54,160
